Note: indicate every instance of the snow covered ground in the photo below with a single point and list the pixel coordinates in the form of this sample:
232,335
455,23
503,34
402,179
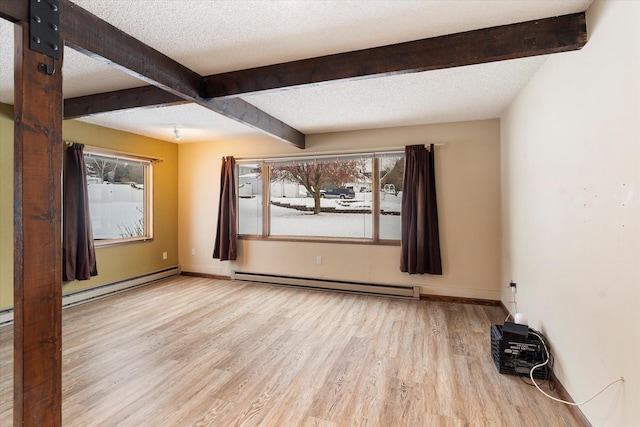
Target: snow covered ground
111,220
293,222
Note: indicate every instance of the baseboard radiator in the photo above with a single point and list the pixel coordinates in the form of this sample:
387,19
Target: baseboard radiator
87,295
403,291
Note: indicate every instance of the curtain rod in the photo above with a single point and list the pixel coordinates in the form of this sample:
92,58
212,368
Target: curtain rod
321,155
111,152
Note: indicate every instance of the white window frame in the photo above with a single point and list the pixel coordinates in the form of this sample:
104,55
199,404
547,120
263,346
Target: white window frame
266,200
147,198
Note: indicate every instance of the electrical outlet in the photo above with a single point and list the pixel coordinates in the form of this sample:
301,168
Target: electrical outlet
193,251
164,255
318,260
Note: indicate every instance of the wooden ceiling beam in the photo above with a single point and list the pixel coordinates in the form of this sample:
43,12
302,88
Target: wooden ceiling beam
248,114
220,92
538,37
100,40
140,97
151,96
95,37
14,10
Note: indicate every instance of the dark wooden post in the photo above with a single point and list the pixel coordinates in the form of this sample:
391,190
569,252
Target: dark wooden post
37,244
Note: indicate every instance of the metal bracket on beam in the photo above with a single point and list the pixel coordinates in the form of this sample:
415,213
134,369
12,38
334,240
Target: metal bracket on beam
44,32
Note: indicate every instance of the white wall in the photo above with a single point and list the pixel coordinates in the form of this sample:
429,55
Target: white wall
571,211
468,180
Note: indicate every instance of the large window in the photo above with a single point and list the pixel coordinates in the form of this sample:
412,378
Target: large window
337,197
120,199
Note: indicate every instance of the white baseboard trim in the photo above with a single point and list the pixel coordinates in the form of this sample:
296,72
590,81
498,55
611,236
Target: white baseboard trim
79,297
6,316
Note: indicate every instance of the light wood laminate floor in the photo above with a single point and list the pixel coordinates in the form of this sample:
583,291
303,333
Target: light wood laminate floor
200,352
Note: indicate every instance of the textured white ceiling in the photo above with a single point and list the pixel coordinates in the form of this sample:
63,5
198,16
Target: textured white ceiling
211,36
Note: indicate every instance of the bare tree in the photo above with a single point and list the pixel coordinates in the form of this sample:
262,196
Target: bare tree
394,175
316,176
101,167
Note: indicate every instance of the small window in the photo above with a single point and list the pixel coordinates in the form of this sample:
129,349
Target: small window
120,201
391,177
249,199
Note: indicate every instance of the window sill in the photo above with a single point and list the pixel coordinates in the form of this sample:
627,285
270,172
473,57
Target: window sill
117,242
334,240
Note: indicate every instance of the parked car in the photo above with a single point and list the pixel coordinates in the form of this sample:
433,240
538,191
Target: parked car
342,193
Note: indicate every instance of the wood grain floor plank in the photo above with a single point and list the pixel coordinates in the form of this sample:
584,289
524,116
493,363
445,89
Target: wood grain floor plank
244,382
405,404
317,422
266,391
191,351
216,409
202,404
245,353
291,407
325,356
333,399
367,401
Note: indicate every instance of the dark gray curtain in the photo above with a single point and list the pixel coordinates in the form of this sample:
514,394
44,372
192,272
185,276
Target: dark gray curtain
419,230
78,253
227,233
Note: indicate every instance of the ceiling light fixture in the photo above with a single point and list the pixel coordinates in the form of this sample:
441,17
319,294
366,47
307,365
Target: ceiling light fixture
177,133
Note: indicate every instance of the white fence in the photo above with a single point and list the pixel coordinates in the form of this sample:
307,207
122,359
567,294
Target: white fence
115,208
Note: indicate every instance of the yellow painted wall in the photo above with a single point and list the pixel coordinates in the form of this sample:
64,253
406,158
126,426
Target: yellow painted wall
468,180
6,206
115,263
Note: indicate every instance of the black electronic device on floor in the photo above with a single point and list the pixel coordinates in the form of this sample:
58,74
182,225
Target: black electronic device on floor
514,331
516,352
